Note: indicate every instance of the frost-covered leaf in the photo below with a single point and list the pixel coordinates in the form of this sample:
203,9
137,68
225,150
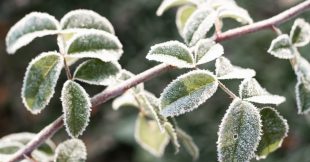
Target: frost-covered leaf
225,70
198,25
207,50
33,25
173,136
73,150
94,44
97,72
274,128
40,80
302,90
235,12
167,4
76,107
187,92
148,135
251,90
239,132
282,47
85,19
300,33
188,143
9,147
127,99
218,3
183,13
173,53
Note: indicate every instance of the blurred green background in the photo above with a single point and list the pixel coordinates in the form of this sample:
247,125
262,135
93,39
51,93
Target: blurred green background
109,136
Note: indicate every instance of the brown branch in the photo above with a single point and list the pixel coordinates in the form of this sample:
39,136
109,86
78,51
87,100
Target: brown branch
102,97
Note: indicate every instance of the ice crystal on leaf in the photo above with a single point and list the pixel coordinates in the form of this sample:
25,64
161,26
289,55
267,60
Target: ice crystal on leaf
282,47
167,4
300,33
207,50
182,16
73,150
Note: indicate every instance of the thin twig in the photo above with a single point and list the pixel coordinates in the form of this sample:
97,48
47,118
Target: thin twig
102,97
226,90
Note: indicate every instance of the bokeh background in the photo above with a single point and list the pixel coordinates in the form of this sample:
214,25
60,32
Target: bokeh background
109,137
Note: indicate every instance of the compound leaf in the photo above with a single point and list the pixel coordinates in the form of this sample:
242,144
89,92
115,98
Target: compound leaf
187,92
239,132
252,91
76,107
282,47
97,72
94,44
303,85
225,70
300,33
73,150
33,25
173,53
207,50
40,80
274,128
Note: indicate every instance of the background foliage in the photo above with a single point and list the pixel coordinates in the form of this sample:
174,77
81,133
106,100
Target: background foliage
110,133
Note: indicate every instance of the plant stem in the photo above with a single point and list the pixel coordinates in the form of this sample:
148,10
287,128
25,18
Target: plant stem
102,97
226,90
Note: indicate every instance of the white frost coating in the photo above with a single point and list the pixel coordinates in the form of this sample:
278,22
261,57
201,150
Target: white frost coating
217,3
88,13
127,99
236,12
251,90
66,99
59,67
304,35
71,150
282,47
209,49
153,151
105,55
190,101
167,4
301,82
27,38
164,57
182,16
225,70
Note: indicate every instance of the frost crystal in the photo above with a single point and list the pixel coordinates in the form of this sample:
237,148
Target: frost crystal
73,150
187,92
207,50
300,33
167,4
282,47
239,132
233,11
182,16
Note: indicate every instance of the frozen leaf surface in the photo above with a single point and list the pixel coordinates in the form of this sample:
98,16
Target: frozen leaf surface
33,25
76,107
207,50
95,44
97,72
173,136
300,33
173,53
187,92
40,80
275,129
182,16
239,133
303,85
85,19
235,12
198,25
225,70
167,4
188,143
127,99
148,135
282,47
73,150
251,90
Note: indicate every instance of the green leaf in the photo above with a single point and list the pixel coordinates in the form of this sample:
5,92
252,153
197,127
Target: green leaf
239,133
94,44
73,150
235,12
225,70
187,92
188,143
97,72
173,136
275,129
207,50
7,148
300,33
167,4
148,135
282,47
302,89
183,13
40,80
198,25
76,107
173,53
33,25
251,90
86,19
